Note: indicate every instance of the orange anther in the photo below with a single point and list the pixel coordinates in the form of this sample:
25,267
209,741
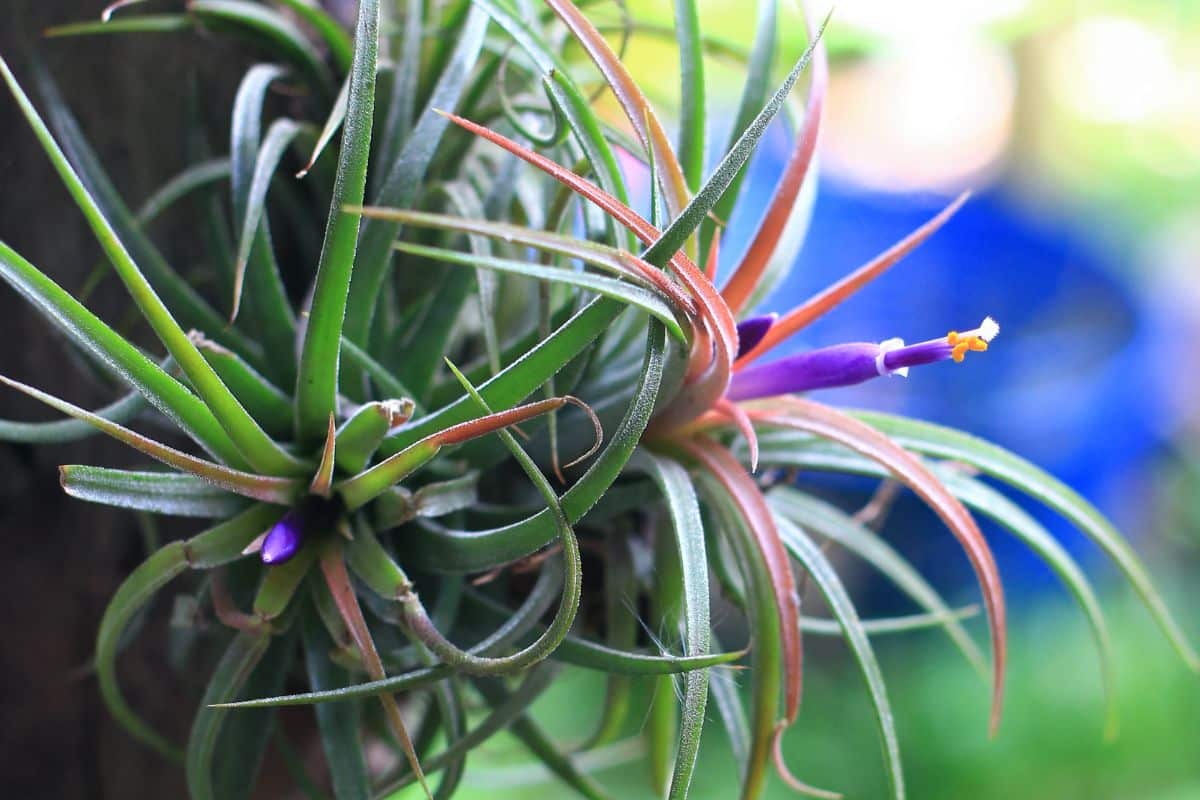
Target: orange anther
952,338
959,352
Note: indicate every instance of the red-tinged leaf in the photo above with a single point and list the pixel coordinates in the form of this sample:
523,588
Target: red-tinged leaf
633,102
822,303
828,423
713,313
609,258
750,270
745,426
753,507
280,491
714,258
338,580
322,482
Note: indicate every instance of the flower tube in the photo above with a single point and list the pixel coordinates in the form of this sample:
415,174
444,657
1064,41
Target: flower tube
848,364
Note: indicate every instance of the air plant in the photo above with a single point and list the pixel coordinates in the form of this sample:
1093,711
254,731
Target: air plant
354,470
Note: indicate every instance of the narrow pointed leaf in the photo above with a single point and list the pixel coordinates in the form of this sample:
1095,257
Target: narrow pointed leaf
836,426
684,509
401,186
697,210
608,287
826,578
267,27
1011,469
231,674
317,383
820,517
156,492
110,349
259,487
338,723
341,48
70,430
257,447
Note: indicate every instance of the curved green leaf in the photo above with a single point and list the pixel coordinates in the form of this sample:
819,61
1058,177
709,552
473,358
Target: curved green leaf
218,545
255,445
446,550
831,522
684,509
232,672
954,445
826,578
267,27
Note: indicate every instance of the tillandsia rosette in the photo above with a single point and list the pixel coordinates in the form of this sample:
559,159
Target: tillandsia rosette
357,476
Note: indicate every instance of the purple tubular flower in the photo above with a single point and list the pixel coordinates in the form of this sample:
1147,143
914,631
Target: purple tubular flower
751,330
848,364
284,539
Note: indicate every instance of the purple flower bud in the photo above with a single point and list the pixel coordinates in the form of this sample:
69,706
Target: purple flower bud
284,539
848,364
751,330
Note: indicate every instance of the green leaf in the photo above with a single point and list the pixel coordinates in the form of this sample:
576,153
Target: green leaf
403,97
684,509
156,492
444,550
270,407
831,522
317,383
767,653
259,487
337,116
231,674
608,287
692,117
697,210
193,310
360,435
991,503
826,578
254,444
255,259
536,681
536,740
243,740
341,48
279,137
111,350
71,430
567,97
218,545
754,96
954,445
191,179
266,27
405,178
148,23
338,723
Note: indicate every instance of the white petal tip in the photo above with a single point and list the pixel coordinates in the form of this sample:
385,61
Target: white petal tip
988,329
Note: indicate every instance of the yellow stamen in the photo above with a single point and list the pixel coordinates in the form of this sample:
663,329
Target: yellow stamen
960,346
